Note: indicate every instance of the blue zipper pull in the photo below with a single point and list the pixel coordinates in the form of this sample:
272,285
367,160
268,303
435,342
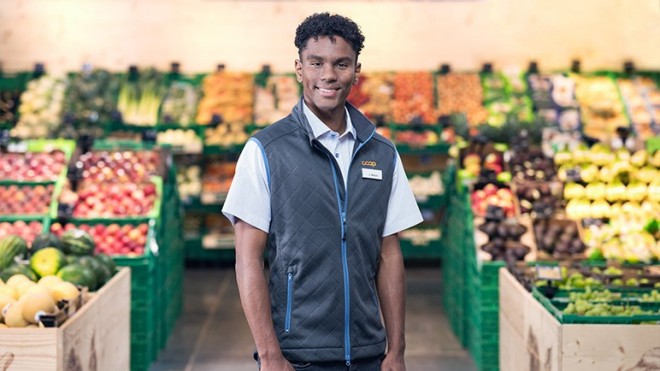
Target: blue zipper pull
343,220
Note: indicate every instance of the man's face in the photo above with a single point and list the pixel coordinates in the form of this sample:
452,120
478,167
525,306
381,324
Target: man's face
327,69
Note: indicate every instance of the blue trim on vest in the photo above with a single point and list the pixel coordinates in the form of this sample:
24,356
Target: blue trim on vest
263,153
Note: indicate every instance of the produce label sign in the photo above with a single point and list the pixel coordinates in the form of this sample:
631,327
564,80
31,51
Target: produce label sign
548,272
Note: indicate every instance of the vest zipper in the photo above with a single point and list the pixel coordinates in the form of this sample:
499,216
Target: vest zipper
344,255
289,294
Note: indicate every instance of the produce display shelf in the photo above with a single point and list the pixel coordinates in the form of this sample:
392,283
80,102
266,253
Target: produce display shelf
430,250
222,150
30,183
195,204
15,81
45,221
556,308
195,253
218,241
440,148
154,213
67,146
432,201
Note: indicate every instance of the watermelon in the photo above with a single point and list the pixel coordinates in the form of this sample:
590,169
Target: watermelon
45,240
77,242
10,247
47,261
107,260
101,271
18,269
79,275
71,259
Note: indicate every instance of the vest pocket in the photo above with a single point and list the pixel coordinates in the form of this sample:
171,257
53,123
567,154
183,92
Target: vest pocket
289,299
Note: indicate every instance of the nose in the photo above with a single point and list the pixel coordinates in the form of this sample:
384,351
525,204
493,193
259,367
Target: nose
328,73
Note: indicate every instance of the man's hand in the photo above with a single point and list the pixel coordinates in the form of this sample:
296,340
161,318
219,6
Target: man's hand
276,364
393,362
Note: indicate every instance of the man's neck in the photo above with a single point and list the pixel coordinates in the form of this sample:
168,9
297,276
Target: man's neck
335,121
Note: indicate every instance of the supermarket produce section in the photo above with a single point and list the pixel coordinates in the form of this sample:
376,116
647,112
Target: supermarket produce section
535,188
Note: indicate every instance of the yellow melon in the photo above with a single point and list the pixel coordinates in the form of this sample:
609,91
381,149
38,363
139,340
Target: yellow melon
35,302
23,287
14,316
4,300
14,280
65,291
49,281
9,291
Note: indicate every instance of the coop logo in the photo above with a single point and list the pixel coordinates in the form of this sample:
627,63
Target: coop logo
369,163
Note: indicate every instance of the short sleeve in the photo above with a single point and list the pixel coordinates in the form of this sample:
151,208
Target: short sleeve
402,210
249,195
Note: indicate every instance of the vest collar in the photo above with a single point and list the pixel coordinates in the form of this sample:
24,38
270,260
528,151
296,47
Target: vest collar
362,126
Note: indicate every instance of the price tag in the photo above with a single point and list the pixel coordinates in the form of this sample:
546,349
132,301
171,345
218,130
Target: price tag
150,136
75,173
216,120
445,68
573,175
417,123
549,272
629,67
18,147
653,270
64,213
85,142
575,66
4,139
533,67
494,213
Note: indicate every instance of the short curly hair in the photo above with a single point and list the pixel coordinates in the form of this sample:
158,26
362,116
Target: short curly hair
324,24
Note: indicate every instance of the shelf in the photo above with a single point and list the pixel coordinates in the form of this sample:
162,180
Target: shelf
218,242
436,149
435,202
223,150
431,250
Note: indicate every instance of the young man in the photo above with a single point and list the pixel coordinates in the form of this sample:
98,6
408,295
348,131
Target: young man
326,197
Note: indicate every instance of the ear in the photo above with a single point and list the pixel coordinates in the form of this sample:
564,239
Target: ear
298,68
358,68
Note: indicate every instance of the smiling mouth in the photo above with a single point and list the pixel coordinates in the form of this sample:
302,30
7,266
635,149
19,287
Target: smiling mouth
327,92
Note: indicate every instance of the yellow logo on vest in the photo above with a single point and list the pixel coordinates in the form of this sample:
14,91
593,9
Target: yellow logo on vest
369,163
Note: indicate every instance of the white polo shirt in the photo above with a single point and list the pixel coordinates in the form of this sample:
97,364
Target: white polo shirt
249,197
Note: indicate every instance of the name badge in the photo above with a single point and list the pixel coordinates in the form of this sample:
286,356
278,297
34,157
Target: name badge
372,174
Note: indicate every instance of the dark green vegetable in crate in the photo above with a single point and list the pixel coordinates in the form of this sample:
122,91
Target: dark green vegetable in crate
90,101
10,247
45,240
18,269
9,101
77,242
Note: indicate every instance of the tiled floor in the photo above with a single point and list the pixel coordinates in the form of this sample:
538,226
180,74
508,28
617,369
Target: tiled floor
212,333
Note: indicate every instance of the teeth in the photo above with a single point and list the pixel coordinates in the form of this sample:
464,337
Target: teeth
326,90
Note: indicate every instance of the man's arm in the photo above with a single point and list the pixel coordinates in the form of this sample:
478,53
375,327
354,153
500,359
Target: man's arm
391,282
255,299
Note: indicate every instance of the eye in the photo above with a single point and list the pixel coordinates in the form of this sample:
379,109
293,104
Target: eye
315,64
343,65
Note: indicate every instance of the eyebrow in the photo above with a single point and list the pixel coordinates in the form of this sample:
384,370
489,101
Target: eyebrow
338,60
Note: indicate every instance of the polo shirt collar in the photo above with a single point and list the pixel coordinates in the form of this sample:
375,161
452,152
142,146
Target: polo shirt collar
319,128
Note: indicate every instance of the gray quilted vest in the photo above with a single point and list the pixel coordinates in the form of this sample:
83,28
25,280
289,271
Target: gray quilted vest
324,240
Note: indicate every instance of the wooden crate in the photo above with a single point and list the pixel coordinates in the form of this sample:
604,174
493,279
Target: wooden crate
97,337
532,339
